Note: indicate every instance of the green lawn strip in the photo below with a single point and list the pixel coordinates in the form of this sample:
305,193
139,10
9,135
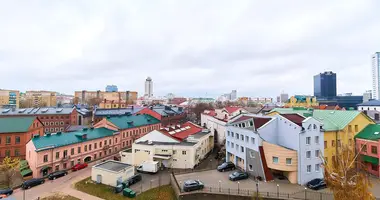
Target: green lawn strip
106,192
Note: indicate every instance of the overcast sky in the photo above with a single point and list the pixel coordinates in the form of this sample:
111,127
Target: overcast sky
189,48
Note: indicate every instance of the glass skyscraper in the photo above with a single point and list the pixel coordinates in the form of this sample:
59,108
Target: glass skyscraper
325,85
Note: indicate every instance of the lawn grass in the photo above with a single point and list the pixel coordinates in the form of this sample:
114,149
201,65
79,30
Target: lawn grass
60,197
106,192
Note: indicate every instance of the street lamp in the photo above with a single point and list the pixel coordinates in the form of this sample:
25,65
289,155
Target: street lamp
220,183
257,190
238,186
180,186
305,193
278,190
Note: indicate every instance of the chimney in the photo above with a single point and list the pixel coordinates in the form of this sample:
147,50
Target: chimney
84,136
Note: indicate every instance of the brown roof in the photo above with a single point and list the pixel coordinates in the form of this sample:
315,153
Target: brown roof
295,118
259,122
242,118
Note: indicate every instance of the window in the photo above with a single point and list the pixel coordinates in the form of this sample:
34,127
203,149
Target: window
317,153
109,151
316,139
95,145
333,143
250,123
325,144
314,126
232,134
8,140
164,150
253,140
250,167
356,128
105,142
232,145
237,147
17,139
56,167
374,167
242,149
317,166
374,149
65,153
64,165
349,128
275,159
100,154
57,155
308,140
174,152
228,133
78,149
308,154
110,141
85,148
94,156
237,135
288,161
78,160
183,152
100,144
242,137
72,163
72,151
308,168
89,147
7,153
17,152
45,158
252,154
228,143
115,140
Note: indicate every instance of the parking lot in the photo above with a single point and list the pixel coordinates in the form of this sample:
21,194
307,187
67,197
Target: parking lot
211,178
149,181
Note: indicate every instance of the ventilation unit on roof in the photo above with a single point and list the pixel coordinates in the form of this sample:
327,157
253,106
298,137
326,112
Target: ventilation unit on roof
59,110
182,129
167,129
179,126
376,133
187,127
178,130
171,132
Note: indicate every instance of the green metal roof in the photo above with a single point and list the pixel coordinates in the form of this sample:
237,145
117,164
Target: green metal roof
26,172
132,121
334,120
64,139
370,159
15,124
369,131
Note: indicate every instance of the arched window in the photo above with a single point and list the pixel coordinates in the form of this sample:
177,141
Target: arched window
309,127
314,126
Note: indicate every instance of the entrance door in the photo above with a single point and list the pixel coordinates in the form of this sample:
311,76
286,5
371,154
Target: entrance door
99,178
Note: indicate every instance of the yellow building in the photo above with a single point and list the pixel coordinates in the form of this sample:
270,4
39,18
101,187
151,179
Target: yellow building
9,98
85,96
113,104
340,126
41,99
301,101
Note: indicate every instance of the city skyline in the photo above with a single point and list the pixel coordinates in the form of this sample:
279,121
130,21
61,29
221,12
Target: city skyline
251,50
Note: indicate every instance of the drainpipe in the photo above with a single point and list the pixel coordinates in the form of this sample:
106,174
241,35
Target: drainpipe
336,146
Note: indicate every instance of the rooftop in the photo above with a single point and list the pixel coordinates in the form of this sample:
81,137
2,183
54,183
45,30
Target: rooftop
16,124
166,110
37,111
370,103
182,131
120,111
231,109
183,143
370,132
55,140
258,122
131,121
112,165
295,118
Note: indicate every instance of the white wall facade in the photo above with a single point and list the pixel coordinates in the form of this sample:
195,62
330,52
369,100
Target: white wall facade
110,177
375,75
369,108
213,125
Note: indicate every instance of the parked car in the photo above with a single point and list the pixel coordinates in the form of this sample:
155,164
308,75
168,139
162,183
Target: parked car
226,166
32,182
6,191
316,184
57,174
238,176
191,185
79,166
132,180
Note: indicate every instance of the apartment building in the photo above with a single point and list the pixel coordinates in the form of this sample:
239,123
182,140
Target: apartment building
367,145
9,98
15,132
59,151
53,119
83,97
168,115
131,127
287,145
181,146
216,120
40,99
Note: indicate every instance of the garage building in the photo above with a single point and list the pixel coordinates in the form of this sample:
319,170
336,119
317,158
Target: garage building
111,172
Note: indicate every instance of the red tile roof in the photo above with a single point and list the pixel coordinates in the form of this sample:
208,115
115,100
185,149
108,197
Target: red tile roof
232,109
259,122
182,134
296,118
242,118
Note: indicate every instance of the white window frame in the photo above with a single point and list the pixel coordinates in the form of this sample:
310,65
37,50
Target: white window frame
287,161
308,140
308,154
273,158
307,169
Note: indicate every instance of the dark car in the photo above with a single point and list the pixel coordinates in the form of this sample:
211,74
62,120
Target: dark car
79,166
32,182
226,166
238,176
316,184
7,191
132,180
192,185
57,174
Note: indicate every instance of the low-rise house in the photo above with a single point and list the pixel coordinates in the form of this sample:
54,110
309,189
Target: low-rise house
168,115
367,145
57,151
54,119
111,172
216,120
370,105
373,114
288,145
131,127
15,132
182,146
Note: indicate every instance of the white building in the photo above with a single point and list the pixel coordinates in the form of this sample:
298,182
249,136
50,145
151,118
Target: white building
367,95
375,75
288,144
111,172
370,105
181,146
216,120
148,87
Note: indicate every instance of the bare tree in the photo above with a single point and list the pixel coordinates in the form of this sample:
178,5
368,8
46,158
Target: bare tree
9,168
200,108
94,102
